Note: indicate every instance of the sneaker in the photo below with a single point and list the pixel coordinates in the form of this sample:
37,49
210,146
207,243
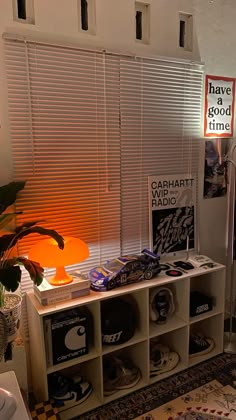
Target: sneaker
119,374
157,346
66,392
162,360
58,384
199,345
75,395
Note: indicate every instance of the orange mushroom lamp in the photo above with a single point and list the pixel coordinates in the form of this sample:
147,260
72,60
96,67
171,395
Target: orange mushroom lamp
48,254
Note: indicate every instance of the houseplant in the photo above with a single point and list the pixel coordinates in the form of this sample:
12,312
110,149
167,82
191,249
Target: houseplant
10,272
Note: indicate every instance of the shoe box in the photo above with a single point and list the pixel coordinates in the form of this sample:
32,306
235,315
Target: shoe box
200,303
67,335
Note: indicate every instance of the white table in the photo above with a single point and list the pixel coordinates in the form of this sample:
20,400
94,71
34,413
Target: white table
9,382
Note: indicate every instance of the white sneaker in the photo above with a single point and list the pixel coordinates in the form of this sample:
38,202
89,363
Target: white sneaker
162,359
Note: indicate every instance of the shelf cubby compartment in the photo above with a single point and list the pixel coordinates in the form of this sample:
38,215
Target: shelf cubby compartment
86,371
209,327
136,354
174,341
180,316
138,301
209,284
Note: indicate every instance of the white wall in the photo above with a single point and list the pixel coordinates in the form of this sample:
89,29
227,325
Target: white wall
213,43
216,37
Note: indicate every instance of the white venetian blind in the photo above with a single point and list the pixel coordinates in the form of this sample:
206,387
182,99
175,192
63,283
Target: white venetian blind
87,130
160,134
64,120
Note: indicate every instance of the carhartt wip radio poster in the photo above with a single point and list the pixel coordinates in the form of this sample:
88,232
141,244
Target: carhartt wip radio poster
172,206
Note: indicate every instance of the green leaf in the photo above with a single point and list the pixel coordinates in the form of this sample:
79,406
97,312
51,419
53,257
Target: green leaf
28,225
48,232
34,269
5,219
9,240
8,194
10,277
5,242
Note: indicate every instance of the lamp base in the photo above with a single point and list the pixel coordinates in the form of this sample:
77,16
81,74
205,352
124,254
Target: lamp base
61,277
60,282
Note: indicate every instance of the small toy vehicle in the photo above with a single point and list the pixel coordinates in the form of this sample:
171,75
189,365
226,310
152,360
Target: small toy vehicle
125,270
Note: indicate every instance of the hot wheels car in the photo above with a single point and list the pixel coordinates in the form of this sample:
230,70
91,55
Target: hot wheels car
125,270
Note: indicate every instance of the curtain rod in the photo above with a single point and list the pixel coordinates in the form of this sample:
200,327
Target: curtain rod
33,39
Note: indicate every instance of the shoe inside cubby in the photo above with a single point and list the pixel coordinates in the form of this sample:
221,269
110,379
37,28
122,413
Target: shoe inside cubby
125,371
205,340
123,321
168,353
76,385
211,286
168,307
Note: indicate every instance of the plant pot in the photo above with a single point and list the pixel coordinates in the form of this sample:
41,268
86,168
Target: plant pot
12,312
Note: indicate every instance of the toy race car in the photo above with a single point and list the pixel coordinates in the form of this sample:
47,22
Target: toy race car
125,270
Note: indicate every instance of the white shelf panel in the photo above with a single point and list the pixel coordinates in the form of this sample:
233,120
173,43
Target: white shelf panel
198,359
138,338
173,323
206,315
181,366
60,366
161,279
122,393
91,403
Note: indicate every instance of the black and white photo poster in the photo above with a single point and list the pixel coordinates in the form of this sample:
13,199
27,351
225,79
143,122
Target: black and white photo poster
172,206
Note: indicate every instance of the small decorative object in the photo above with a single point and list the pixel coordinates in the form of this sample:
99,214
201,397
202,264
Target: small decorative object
200,303
125,270
48,254
161,304
10,272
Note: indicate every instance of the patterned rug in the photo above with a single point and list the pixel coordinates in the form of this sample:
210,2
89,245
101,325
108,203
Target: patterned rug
208,402
204,392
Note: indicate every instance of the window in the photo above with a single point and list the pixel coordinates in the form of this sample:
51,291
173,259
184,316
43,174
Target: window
186,31
139,26
87,20
87,129
142,22
23,11
84,15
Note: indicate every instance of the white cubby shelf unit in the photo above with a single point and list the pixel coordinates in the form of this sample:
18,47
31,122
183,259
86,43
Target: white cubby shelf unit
175,333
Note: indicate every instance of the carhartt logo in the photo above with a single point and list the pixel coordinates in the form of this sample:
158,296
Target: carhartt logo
111,338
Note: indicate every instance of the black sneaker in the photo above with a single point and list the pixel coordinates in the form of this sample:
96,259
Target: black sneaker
200,345
77,394
66,392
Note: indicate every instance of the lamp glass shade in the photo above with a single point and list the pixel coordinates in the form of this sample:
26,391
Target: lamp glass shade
48,254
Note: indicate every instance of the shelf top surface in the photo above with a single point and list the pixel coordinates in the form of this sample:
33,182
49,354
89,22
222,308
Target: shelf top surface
160,280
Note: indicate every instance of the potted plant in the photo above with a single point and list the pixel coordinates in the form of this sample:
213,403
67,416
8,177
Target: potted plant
10,272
